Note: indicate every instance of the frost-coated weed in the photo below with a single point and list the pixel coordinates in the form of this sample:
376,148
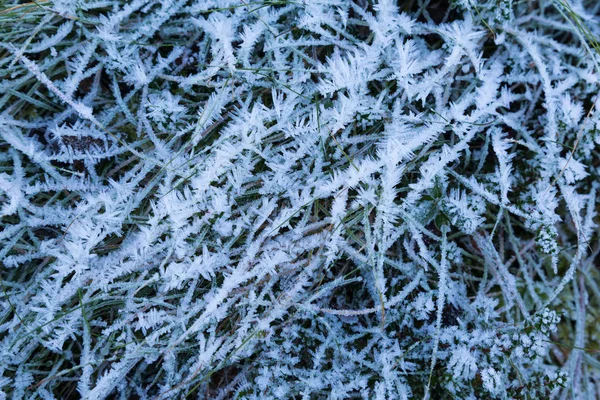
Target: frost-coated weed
299,199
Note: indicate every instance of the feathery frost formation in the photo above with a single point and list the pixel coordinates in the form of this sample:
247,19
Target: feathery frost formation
299,199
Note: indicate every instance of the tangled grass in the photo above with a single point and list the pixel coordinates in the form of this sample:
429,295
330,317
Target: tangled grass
299,199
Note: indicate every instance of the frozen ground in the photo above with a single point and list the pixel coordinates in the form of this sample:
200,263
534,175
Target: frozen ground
299,199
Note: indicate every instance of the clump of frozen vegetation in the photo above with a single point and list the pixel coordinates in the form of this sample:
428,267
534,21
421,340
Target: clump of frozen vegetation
299,199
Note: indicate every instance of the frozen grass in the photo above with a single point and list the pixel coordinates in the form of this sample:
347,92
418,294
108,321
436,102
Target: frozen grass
299,199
